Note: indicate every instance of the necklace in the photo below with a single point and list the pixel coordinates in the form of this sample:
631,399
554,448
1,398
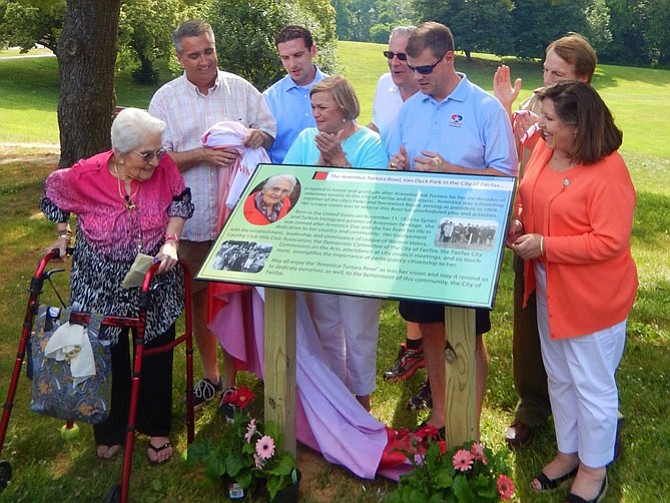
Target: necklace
130,204
128,198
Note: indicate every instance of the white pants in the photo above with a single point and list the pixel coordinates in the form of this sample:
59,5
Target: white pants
348,328
582,386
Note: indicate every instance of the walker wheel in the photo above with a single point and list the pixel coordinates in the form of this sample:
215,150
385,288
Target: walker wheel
114,494
5,474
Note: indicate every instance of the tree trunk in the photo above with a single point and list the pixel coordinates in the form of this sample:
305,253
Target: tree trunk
86,57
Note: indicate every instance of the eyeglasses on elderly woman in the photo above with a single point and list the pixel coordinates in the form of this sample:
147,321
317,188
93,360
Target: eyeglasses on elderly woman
149,155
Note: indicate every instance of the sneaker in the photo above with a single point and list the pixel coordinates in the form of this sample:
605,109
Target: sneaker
423,398
406,363
227,410
205,391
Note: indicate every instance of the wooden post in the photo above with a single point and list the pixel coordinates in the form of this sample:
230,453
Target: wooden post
460,375
280,363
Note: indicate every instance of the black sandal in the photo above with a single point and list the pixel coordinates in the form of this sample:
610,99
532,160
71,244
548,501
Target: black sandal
547,484
573,498
157,450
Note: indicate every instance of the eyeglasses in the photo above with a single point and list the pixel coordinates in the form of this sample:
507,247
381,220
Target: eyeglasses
426,69
148,156
400,55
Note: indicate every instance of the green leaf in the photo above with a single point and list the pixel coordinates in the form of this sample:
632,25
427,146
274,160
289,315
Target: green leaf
234,463
462,490
443,479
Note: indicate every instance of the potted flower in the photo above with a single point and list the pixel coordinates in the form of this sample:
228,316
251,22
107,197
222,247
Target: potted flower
248,454
468,473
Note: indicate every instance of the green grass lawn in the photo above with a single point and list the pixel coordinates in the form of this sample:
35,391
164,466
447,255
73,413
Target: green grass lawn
46,468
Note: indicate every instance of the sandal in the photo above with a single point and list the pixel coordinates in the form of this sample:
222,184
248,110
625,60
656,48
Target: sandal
573,498
156,451
547,484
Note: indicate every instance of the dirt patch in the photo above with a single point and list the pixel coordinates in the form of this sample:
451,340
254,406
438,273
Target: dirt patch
37,154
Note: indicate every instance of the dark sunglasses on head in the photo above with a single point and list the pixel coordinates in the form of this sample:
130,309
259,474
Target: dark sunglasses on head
400,55
426,69
147,156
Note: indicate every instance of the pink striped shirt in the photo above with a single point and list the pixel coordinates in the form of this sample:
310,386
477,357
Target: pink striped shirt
188,114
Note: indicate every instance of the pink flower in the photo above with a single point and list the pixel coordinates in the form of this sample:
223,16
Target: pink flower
477,451
258,461
463,460
265,447
505,487
251,430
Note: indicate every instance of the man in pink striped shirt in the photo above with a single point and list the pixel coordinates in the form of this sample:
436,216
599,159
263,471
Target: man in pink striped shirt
190,104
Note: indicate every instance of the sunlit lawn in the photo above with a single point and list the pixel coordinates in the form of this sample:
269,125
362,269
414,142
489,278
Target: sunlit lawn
47,469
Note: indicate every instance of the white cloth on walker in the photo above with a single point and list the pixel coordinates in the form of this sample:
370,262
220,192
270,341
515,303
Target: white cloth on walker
328,418
70,342
230,134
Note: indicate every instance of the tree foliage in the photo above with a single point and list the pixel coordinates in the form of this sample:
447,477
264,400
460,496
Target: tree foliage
24,23
483,26
372,20
245,34
145,30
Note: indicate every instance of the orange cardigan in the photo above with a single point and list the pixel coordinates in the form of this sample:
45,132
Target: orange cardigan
591,275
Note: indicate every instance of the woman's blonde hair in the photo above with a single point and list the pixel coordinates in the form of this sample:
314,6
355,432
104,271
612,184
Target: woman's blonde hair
343,94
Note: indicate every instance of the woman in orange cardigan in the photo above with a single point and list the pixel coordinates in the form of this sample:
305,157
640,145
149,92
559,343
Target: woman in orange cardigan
572,226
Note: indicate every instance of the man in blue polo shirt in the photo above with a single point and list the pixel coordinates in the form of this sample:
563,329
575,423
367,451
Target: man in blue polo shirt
451,126
288,98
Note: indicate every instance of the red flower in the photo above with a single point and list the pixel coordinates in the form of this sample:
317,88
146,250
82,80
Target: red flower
505,487
244,397
463,460
426,432
239,398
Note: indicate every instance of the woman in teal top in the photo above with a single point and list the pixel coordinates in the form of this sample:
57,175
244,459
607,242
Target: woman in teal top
337,139
348,327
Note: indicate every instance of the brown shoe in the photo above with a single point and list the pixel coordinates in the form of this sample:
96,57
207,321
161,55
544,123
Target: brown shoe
518,434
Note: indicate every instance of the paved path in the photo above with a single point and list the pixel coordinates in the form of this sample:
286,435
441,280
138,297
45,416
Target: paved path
55,146
25,56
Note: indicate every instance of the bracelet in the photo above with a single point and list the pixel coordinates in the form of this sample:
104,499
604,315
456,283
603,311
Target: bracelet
65,234
517,219
542,245
172,237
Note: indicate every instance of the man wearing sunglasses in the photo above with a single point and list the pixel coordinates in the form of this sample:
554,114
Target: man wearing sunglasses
452,126
395,87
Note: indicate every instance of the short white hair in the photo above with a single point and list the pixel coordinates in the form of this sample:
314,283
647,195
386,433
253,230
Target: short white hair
131,126
401,31
272,181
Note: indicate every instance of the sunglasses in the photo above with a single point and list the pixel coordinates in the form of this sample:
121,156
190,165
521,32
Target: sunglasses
148,156
426,69
400,55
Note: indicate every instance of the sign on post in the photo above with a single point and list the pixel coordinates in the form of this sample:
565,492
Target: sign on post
387,234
